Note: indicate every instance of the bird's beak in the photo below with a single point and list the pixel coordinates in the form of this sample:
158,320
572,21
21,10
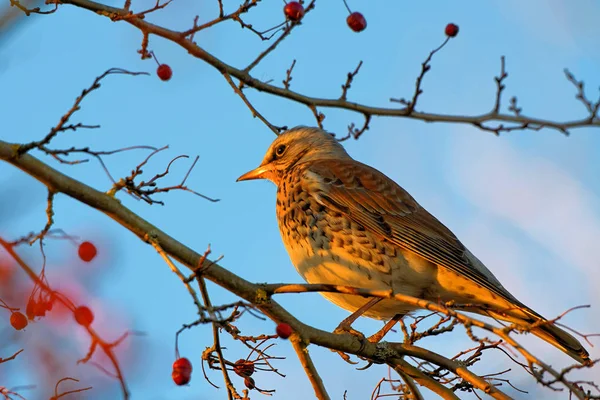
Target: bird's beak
258,173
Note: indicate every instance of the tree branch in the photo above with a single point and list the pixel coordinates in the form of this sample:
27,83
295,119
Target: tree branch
309,367
256,294
481,121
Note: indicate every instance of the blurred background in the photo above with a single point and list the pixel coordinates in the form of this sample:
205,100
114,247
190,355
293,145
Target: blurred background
526,203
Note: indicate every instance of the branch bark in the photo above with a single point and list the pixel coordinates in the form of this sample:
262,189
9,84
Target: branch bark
309,367
254,293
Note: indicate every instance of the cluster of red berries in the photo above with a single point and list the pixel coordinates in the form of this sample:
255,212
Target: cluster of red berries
39,307
182,371
294,11
83,315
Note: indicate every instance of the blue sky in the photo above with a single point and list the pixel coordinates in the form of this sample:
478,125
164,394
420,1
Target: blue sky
527,203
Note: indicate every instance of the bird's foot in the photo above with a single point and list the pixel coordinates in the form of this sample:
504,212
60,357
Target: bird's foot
377,336
343,328
345,357
347,328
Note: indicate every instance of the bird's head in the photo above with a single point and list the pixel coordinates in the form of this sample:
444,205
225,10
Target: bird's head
295,146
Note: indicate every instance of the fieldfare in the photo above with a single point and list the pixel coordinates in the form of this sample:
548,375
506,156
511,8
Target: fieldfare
345,223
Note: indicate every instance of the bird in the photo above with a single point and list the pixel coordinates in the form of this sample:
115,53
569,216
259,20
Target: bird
343,222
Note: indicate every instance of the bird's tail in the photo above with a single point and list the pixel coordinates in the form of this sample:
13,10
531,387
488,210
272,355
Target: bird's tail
547,331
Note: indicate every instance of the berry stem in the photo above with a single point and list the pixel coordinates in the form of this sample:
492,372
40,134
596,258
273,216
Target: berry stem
347,8
155,59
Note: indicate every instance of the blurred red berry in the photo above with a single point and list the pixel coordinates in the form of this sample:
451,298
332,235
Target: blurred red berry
356,21
249,382
18,320
283,330
84,316
182,371
451,30
243,367
164,72
294,11
48,304
30,308
39,309
87,251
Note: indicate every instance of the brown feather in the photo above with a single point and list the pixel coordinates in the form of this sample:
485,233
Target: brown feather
373,200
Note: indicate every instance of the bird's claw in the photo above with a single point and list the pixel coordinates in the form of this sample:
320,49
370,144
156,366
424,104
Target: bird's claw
346,328
344,356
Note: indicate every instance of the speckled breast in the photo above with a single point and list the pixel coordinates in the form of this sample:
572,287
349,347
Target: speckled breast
327,247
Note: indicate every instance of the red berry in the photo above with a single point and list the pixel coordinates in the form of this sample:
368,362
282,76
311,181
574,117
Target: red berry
243,367
283,330
87,251
30,308
182,371
84,316
451,30
293,11
48,305
249,382
39,309
18,320
356,21
164,72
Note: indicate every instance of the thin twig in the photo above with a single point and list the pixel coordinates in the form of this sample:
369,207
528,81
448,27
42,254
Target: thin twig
276,129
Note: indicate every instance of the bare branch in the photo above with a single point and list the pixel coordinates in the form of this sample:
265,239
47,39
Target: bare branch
288,75
276,129
349,80
505,122
309,367
61,126
592,108
500,85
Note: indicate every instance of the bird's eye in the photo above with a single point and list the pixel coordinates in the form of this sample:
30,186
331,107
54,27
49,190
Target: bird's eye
280,150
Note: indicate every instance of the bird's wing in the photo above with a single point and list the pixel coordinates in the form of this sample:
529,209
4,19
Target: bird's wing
381,206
